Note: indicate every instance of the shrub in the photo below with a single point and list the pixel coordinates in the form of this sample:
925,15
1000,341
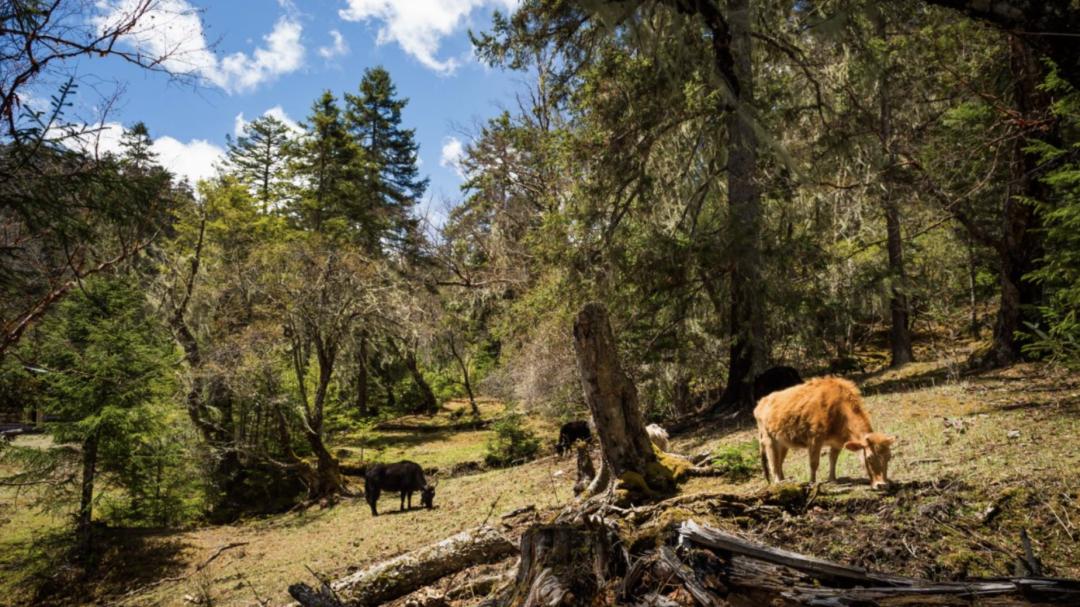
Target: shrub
512,443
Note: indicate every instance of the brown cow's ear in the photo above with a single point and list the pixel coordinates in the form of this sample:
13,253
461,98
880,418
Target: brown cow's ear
854,445
889,441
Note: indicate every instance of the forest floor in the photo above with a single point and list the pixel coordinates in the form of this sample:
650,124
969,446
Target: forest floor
980,457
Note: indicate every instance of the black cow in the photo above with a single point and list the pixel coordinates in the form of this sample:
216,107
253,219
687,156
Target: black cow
570,432
406,477
774,380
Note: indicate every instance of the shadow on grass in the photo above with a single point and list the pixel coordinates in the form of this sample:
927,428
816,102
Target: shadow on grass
398,440
124,560
395,511
928,379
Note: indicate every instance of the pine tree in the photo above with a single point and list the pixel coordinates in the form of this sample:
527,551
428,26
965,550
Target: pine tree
258,158
137,147
335,171
107,361
374,119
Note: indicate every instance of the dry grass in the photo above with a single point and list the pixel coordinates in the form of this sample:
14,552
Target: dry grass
1013,452
978,459
330,541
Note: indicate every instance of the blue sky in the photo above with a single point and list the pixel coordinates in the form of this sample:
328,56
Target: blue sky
243,58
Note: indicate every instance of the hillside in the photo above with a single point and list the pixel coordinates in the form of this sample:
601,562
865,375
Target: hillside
973,468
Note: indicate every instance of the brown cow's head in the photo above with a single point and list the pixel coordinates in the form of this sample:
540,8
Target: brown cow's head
874,449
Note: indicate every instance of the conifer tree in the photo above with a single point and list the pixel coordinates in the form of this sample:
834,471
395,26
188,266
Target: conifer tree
374,118
258,157
335,170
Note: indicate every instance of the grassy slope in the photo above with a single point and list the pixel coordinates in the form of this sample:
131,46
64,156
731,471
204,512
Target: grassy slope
931,524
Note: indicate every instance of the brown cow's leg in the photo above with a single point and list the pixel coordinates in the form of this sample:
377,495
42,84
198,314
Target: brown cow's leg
834,454
769,450
815,459
779,452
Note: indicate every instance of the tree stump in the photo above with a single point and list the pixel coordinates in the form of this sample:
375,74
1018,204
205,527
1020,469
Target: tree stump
613,401
563,564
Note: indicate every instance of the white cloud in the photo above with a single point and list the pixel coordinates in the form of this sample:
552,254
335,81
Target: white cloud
191,161
194,160
338,48
240,123
452,153
173,30
419,26
284,53
277,112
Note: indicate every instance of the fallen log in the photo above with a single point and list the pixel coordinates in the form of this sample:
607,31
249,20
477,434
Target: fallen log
388,580
767,574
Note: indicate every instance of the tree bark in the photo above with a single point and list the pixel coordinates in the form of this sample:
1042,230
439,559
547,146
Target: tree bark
388,580
362,376
464,374
613,401
1021,244
84,523
586,472
747,325
428,403
900,329
387,380
563,564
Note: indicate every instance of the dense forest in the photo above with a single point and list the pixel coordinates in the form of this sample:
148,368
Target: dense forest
843,186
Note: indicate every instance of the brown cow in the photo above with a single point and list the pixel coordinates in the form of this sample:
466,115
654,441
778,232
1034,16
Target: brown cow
823,411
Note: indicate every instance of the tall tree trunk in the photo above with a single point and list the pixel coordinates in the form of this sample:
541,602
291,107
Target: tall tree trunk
900,330
1021,244
464,374
747,324
428,403
973,273
330,481
362,376
613,402
84,522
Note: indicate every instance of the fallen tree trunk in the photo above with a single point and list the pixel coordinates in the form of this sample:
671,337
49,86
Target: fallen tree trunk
774,576
401,575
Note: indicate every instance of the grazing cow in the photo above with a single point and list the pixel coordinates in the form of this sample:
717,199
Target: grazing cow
406,477
774,380
570,432
658,436
823,411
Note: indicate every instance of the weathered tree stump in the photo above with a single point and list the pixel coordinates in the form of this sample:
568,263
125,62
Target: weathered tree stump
563,564
612,398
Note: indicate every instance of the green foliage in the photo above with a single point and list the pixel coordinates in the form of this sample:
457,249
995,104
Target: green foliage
258,159
1059,273
105,375
737,462
512,442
